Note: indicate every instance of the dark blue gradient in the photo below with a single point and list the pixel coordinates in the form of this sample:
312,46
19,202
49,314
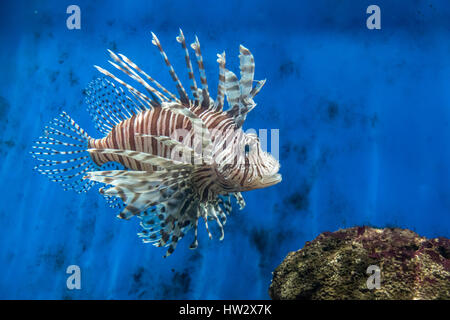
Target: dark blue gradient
364,137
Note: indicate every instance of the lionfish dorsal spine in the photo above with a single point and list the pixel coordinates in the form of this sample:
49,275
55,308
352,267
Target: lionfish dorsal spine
247,68
218,106
156,83
257,88
194,89
205,101
133,75
232,89
182,93
142,97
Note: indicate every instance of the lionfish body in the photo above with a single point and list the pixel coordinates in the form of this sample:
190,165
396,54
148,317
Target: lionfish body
176,159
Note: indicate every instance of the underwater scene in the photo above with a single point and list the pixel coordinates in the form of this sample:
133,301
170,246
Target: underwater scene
315,165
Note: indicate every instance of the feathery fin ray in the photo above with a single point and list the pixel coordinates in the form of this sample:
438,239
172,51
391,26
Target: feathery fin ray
62,154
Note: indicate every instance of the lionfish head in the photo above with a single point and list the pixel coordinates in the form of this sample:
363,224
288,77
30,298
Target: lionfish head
254,168
262,166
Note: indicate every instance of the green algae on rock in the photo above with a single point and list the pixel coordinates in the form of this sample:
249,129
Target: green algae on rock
334,266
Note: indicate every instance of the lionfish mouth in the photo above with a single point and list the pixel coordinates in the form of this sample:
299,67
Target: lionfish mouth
270,180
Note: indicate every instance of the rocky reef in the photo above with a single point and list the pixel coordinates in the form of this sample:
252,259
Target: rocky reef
335,266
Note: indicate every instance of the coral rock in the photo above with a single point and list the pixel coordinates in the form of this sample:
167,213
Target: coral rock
334,266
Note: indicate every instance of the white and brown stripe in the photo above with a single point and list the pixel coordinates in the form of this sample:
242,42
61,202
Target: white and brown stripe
127,135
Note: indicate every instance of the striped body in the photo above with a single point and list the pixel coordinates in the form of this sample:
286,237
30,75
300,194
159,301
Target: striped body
158,122
162,122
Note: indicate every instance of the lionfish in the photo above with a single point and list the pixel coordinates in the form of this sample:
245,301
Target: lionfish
172,159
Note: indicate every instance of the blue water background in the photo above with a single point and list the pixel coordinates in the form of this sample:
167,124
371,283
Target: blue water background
364,137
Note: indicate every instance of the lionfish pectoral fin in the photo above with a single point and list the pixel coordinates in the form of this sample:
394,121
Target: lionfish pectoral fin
239,199
216,211
162,199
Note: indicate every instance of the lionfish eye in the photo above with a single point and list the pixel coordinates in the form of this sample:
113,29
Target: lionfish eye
247,148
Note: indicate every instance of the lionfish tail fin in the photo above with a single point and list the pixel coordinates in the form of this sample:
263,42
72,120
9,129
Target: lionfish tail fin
62,154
